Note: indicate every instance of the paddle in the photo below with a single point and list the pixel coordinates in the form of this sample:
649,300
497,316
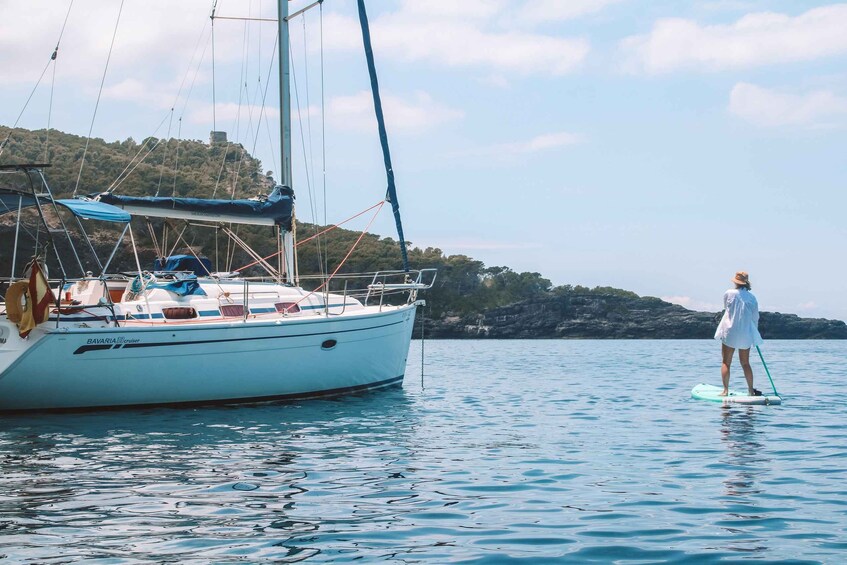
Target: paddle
766,370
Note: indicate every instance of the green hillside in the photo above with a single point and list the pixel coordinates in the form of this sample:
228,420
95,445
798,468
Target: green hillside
172,167
464,285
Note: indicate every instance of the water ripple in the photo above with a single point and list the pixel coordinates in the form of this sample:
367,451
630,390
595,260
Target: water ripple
511,452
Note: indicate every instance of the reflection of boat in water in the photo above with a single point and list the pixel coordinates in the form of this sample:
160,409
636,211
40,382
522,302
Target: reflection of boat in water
184,334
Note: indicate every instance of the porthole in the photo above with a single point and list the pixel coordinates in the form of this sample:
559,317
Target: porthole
328,344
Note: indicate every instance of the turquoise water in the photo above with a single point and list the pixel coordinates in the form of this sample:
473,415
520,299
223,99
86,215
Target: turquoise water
535,451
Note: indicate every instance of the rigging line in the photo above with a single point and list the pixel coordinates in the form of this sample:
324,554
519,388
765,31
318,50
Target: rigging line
165,151
262,113
341,264
191,63
251,128
190,247
179,93
121,177
323,114
311,161
308,101
252,253
18,222
221,169
117,182
330,228
49,115
179,120
34,88
303,144
99,94
246,19
176,158
214,113
193,80
153,238
53,85
237,125
236,174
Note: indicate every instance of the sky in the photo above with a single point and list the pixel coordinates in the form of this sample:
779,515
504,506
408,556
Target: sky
653,146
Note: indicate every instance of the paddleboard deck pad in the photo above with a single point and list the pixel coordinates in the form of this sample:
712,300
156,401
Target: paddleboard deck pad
712,394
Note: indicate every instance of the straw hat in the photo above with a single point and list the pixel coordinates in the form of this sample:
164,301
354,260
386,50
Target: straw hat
742,278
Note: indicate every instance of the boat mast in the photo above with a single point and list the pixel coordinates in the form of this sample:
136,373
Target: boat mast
285,130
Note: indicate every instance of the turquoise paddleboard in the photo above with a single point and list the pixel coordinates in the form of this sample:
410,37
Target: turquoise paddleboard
712,394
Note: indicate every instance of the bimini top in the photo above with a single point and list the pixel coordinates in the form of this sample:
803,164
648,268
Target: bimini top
276,209
11,200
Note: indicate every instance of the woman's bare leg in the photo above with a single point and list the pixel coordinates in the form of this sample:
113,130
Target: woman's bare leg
726,354
744,357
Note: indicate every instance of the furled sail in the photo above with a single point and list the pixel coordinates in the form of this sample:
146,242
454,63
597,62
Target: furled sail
275,209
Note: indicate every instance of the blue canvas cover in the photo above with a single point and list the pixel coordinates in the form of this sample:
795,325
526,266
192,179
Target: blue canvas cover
181,284
276,209
93,210
80,207
200,267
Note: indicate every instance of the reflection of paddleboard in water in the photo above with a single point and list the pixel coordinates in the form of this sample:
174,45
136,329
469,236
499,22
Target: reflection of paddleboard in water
712,394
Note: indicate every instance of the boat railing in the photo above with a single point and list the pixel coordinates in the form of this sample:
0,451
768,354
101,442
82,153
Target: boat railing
385,283
63,304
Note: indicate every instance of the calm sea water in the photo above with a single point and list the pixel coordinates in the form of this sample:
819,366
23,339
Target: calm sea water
535,451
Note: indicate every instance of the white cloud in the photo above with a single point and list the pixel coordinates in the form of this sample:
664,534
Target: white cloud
693,303
537,144
541,11
464,9
152,37
756,39
446,38
770,108
356,112
230,113
495,81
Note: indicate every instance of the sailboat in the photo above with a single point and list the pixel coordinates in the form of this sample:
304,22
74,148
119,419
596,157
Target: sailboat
180,333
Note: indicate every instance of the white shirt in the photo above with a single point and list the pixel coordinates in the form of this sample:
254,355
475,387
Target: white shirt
739,327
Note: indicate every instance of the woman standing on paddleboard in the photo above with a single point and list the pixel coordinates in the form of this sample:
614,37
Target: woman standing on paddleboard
739,329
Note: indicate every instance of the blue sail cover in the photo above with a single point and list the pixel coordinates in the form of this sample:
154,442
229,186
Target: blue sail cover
276,209
93,210
201,266
81,208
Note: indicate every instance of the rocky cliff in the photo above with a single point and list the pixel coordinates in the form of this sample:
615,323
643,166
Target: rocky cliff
611,316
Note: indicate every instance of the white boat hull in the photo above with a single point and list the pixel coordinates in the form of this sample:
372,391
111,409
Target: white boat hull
207,363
